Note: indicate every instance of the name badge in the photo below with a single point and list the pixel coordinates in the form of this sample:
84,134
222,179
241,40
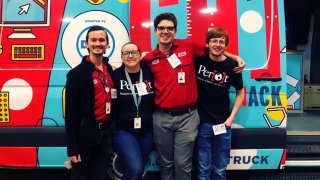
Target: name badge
219,129
141,88
113,93
182,54
137,123
108,108
181,77
174,61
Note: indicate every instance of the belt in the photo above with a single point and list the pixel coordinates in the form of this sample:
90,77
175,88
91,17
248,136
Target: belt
180,111
103,125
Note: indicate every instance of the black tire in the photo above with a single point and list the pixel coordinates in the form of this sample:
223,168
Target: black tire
115,170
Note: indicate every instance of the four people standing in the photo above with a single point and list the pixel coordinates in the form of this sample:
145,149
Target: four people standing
174,93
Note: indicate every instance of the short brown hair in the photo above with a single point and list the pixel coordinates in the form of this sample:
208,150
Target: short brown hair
217,33
165,16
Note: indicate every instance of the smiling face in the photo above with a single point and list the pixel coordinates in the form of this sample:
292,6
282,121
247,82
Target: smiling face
97,43
130,55
165,32
217,40
217,46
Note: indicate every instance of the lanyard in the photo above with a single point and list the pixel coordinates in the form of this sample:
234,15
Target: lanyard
136,102
105,83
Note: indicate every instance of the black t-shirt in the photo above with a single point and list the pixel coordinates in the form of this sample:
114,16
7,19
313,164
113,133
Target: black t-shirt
214,80
126,109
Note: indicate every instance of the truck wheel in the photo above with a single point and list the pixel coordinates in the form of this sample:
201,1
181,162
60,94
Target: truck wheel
115,170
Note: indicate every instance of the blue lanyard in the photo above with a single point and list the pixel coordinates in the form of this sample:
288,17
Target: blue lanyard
136,102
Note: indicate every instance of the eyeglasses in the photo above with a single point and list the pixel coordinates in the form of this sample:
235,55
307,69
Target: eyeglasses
133,53
215,41
163,28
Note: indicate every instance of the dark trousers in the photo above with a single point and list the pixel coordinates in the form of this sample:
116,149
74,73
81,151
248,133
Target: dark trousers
94,160
133,152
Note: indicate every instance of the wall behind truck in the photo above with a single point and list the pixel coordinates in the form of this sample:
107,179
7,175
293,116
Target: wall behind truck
256,30
302,20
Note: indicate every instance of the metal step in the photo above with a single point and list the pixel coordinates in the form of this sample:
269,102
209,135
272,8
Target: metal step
298,145
295,174
303,151
283,174
303,139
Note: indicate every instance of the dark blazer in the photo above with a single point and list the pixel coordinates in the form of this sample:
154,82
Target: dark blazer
81,126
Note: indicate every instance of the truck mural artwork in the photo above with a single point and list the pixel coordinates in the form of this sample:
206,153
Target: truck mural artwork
41,40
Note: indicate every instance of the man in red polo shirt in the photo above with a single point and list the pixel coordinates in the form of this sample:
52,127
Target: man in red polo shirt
175,123
88,110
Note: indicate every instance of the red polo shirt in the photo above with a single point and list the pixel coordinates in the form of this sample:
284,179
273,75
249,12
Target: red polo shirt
168,92
101,97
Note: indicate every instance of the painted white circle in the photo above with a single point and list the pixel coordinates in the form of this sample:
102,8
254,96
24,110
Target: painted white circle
251,21
20,93
74,36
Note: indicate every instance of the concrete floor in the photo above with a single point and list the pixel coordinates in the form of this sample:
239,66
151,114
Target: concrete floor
304,123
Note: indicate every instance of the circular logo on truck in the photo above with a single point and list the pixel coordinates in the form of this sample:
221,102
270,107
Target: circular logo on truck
74,36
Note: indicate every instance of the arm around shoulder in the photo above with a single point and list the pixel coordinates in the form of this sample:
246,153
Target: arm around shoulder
240,61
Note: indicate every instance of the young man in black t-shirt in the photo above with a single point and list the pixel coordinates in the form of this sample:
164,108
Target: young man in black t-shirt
215,76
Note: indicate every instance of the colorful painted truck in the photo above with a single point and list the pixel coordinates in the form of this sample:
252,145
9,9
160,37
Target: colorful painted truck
41,40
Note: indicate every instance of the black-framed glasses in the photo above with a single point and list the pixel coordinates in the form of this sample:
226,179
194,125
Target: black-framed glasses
168,28
127,53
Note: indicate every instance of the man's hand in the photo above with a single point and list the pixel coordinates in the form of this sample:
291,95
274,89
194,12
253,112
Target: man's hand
75,159
240,61
241,65
143,54
229,122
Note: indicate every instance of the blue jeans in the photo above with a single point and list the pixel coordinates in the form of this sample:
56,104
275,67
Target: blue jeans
133,152
213,152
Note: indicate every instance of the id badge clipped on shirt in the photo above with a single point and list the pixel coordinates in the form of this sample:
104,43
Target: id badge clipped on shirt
108,108
137,123
181,77
219,129
174,60
113,93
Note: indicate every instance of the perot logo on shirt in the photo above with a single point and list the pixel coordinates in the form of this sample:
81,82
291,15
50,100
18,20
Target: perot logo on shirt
182,54
95,81
125,85
215,76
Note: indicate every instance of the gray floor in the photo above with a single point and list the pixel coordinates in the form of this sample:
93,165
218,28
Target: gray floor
304,123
